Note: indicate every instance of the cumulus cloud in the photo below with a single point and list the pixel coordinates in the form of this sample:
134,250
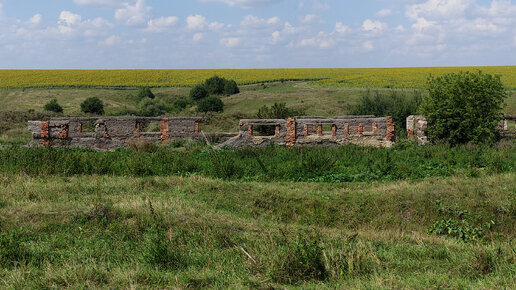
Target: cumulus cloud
99,2
384,13
230,42
133,14
36,19
309,18
196,22
341,28
373,26
67,20
197,37
161,24
244,3
438,9
251,20
110,41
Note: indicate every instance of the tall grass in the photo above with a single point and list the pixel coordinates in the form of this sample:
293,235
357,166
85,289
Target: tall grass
342,164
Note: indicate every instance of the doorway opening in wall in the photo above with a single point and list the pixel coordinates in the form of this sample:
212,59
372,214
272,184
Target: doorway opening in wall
264,130
150,127
88,127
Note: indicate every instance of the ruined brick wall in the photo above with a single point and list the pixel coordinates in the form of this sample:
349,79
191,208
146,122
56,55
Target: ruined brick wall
110,132
317,131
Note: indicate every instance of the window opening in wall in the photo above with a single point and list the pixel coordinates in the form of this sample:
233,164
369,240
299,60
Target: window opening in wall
88,127
326,129
511,125
150,127
264,130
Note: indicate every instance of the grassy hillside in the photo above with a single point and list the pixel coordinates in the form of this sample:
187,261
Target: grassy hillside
196,232
337,77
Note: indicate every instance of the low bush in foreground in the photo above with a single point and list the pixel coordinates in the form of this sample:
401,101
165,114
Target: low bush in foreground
340,164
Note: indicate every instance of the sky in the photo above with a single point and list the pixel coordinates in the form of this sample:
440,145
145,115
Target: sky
183,34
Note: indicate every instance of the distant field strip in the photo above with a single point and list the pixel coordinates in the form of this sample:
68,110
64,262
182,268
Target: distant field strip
336,77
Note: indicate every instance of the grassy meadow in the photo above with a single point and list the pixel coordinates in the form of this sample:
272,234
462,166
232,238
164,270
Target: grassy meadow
181,215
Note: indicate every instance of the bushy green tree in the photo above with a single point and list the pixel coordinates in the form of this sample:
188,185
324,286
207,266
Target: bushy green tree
145,92
276,111
464,107
152,108
93,105
231,88
215,85
180,104
210,104
53,106
198,92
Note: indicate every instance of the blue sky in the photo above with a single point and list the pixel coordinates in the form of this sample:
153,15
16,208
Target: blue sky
151,34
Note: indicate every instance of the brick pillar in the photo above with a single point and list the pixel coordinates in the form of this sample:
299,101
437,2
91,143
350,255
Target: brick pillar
319,130
346,129
249,131
165,132
45,133
277,132
334,130
290,138
196,127
64,133
390,135
79,127
360,129
305,130
375,129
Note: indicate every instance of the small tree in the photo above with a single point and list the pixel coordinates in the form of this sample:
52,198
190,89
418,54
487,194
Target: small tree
463,107
276,111
198,92
53,106
231,88
210,104
152,108
215,85
93,105
145,92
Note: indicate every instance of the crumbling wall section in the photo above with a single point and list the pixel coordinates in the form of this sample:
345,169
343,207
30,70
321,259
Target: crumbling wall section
317,131
111,132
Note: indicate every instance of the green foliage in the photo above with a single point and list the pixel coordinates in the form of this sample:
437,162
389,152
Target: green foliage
276,111
12,251
53,106
300,260
457,223
215,85
145,92
395,104
464,107
210,104
198,92
93,105
221,86
231,88
151,108
180,104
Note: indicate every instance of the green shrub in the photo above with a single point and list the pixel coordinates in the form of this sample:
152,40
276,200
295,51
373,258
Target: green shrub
53,106
231,88
93,105
180,104
276,111
210,104
198,92
215,85
152,108
395,104
464,107
145,92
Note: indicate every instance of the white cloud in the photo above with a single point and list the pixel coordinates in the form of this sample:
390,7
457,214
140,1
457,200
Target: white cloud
275,37
67,20
341,28
161,24
384,13
422,24
251,20
99,2
439,9
133,14
373,26
309,18
230,42
244,3
197,37
216,26
368,46
110,41
196,22
36,19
